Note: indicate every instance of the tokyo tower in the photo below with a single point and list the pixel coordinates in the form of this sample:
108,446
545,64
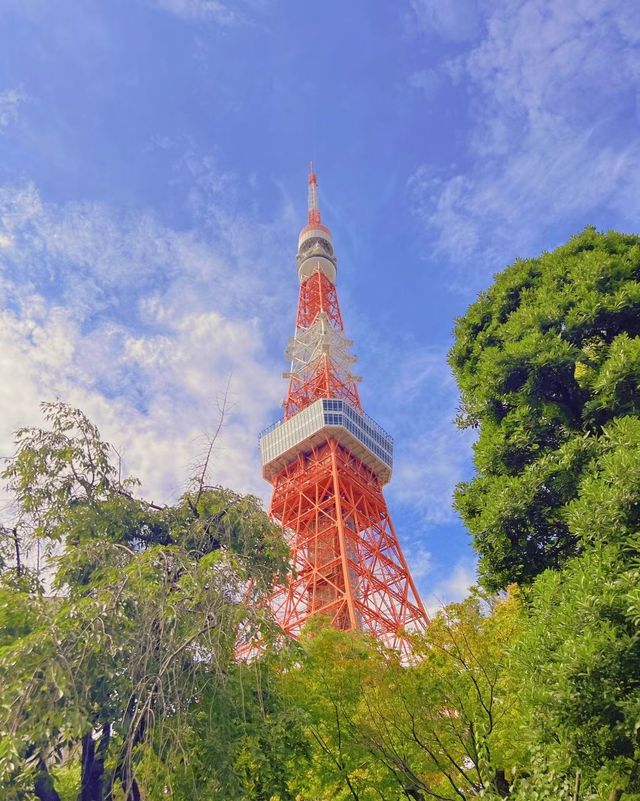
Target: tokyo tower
328,461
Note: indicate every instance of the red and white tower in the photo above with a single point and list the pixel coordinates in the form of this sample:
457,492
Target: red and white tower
328,461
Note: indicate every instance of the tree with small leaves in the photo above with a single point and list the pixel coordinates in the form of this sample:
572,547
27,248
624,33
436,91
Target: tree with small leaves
545,360
142,619
440,728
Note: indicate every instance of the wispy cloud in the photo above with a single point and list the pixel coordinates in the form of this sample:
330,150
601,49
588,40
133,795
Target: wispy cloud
10,101
235,12
453,587
552,144
456,22
428,81
143,327
429,466
430,455
200,9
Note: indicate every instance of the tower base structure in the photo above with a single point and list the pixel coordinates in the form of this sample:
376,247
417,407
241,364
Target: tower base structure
347,564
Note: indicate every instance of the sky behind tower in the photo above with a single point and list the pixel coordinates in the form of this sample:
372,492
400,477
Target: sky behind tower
153,160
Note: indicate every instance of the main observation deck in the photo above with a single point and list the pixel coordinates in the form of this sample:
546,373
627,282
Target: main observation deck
327,417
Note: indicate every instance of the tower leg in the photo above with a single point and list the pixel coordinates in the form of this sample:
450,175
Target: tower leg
347,562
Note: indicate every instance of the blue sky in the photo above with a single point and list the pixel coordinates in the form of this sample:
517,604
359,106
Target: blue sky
153,158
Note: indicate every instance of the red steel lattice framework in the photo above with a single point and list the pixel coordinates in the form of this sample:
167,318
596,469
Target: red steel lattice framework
327,462
323,377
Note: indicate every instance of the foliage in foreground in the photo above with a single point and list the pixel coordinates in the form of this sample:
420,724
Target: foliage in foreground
510,697
546,361
139,629
437,729
548,364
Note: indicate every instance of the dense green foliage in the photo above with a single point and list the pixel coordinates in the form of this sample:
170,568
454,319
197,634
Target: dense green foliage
545,360
580,654
440,728
139,629
548,363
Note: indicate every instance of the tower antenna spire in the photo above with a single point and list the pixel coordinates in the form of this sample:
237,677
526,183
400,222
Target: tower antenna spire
314,209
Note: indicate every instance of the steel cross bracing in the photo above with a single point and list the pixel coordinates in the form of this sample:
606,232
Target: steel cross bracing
319,351
318,294
346,561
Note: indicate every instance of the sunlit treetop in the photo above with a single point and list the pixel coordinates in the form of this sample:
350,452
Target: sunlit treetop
545,360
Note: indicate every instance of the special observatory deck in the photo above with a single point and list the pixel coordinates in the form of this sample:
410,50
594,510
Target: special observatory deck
362,436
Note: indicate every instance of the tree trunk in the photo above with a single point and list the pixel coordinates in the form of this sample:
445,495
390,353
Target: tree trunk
124,774
576,789
16,543
129,785
500,783
92,779
43,787
87,788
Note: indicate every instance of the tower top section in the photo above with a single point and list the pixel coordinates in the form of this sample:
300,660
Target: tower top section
315,244
314,209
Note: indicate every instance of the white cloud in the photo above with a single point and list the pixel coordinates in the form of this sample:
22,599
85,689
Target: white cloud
10,100
142,327
223,13
152,396
454,587
200,9
428,81
455,21
430,454
430,465
554,91
421,564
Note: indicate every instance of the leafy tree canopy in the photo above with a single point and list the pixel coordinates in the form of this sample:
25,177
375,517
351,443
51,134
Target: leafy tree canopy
437,729
107,670
579,657
546,360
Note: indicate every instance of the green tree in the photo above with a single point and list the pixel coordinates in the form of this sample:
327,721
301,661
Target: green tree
579,657
325,681
548,362
544,360
440,728
242,741
147,601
